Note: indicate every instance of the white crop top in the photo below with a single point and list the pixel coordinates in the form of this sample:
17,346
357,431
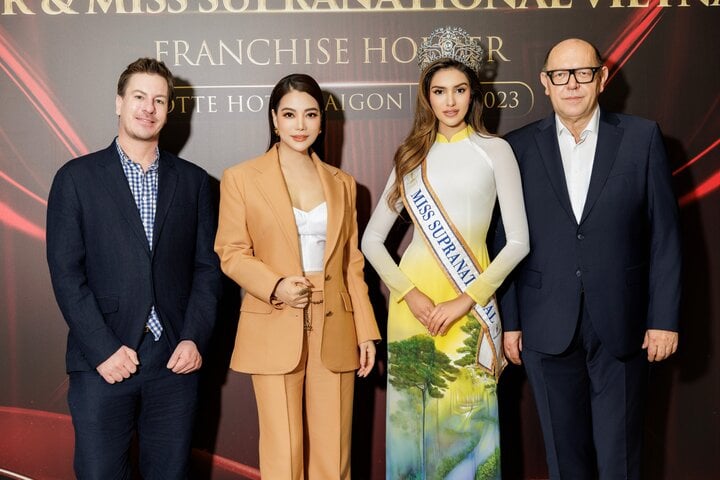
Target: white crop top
312,230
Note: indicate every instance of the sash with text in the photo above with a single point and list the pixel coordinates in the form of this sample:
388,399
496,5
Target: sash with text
457,260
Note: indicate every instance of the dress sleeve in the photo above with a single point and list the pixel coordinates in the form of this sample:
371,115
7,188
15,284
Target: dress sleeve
373,245
512,210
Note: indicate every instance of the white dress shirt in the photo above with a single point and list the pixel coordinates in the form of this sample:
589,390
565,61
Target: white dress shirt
578,159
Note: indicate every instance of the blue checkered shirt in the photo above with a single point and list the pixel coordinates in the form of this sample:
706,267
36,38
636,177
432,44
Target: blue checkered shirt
144,187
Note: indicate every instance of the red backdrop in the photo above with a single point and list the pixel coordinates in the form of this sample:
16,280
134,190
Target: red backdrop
59,63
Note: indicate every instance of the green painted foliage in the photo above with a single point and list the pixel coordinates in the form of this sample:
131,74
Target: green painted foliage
470,344
490,469
416,363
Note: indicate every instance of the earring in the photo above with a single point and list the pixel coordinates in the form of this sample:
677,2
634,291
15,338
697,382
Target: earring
277,132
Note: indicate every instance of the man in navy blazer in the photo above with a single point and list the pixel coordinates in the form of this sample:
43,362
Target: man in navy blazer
130,233
602,280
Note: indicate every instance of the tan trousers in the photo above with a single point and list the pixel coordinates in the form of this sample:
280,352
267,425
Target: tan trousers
306,415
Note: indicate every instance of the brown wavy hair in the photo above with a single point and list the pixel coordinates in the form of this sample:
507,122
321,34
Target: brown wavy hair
413,150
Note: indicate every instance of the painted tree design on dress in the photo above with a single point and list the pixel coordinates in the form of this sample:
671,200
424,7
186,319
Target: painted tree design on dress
469,350
415,365
486,383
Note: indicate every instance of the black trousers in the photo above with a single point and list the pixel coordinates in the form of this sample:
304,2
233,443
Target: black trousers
155,403
591,407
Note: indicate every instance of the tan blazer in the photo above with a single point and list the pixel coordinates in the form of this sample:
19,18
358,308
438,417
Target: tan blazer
258,244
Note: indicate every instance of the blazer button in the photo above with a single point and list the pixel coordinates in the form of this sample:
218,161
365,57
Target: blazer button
580,236
329,313
328,278
578,273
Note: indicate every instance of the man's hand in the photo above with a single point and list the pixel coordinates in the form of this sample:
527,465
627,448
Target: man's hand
367,358
446,313
119,366
186,358
660,344
420,305
512,345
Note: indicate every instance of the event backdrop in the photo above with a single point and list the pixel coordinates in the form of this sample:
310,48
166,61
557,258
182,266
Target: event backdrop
59,63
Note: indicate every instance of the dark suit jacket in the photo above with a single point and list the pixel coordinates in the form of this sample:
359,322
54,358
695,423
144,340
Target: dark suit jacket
104,275
624,253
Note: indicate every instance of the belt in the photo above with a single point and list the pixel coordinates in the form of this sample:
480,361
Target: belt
315,298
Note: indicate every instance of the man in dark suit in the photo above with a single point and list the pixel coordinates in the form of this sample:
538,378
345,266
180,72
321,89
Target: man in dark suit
130,233
602,280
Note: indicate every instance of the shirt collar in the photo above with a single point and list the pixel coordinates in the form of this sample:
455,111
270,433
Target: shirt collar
126,160
592,126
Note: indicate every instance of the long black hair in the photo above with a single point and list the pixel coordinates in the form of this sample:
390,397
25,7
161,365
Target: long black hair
298,82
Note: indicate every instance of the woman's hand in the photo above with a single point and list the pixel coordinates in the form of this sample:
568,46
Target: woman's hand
367,358
294,291
420,305
446,313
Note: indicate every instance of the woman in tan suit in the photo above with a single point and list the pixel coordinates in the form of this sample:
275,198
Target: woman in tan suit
288,236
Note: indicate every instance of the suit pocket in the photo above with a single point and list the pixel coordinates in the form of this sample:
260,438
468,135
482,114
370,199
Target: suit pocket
183,207
108,304
623,171
636,275
530,278
347,302
252,304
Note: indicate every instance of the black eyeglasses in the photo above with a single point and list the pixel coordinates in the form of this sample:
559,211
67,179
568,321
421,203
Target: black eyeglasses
582,75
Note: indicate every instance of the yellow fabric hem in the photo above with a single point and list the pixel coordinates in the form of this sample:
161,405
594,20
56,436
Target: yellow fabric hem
480,291
401,296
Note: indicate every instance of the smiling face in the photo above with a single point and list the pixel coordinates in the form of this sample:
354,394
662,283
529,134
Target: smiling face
574,102
143,108
449,96
297,120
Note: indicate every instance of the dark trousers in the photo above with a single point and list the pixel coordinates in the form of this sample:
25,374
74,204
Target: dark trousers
591,407
155,402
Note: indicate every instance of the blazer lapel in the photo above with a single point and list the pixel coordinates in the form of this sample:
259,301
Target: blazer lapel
547,143
609,138
271,184
335,200
114,179
167,182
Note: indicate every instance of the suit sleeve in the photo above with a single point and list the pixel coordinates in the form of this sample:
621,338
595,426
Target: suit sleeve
665,250
66,260
234,243
202,305
365,325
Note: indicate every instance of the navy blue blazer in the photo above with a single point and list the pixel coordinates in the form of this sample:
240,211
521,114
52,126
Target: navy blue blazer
103,273
624,254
